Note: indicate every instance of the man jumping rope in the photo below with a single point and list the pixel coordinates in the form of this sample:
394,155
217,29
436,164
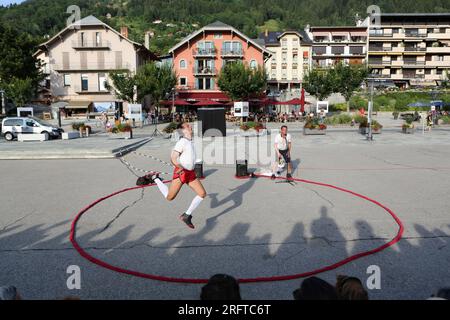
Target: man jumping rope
283,146
183,158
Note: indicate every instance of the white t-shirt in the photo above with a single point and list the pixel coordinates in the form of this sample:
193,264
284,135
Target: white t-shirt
187,153
281,142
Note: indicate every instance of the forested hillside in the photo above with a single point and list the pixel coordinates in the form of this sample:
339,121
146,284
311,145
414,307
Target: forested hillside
45,17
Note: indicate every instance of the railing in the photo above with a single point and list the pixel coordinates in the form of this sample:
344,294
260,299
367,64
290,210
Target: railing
90,66
199,71
91,44
383,34
409,49
204,52
416,35
413,63
379,49
79,89
376,62
232,53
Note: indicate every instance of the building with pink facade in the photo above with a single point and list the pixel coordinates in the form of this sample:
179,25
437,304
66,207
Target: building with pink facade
199,58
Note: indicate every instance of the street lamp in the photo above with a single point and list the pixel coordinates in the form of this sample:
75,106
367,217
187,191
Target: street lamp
371,79
2,93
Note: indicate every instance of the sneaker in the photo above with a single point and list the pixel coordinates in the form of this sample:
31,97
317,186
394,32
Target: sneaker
273,177
153,177
289,176
187,219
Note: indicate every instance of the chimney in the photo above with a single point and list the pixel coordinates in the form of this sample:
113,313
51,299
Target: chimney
266,33
307,28
124,32
148,36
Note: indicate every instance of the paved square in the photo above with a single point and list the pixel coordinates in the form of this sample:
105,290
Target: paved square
247,228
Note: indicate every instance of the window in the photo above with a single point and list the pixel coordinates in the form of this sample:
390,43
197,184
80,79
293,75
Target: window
13,123
295,42
84,82
284,43
182,64
183,81
98,40
253,64
67,80
82,39
284,56
102,82
439,71
234,47
305,54
205,83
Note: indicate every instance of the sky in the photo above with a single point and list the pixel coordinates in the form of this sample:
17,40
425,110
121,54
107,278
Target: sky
6,2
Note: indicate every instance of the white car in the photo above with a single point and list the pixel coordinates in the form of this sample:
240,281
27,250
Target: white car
12,127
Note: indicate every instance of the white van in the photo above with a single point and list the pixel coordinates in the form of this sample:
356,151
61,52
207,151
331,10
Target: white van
11,127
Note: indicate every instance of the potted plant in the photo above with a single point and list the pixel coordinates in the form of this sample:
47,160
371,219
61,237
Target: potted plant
313,126
408,126
396,114
121,131
364,126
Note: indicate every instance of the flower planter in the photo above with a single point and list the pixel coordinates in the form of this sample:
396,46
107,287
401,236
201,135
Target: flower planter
314,132
253,133
408,130
365,131
122,135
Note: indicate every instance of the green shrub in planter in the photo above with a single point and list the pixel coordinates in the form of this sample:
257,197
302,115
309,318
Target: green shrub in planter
343,118
171,127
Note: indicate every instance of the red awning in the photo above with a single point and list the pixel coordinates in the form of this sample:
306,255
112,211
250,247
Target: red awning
206,103
203,96
296,102
178,102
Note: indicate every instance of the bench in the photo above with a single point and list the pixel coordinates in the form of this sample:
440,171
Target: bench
70,135
31,137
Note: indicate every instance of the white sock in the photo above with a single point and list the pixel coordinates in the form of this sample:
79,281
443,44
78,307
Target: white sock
194,205
162,187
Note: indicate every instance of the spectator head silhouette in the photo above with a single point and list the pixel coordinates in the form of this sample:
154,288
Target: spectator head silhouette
221,287
350,288
9,293
442,294
315,289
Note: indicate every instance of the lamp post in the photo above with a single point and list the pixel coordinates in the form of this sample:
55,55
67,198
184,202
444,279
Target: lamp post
2,93
370,79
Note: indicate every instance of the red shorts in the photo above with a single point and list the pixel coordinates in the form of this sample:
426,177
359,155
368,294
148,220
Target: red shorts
186,176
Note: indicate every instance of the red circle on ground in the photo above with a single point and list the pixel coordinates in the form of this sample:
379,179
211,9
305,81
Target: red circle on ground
103,264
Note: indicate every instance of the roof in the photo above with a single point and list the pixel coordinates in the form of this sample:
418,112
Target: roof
273,37
337,27
218,26
91,21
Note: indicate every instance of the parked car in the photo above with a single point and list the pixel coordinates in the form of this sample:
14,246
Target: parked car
12,127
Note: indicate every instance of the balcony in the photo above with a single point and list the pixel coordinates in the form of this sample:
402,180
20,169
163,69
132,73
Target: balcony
413,63
415,49
90,90
416,34
232,53
204,52
380,49
91,45
91,66
380,34
375,62
204,71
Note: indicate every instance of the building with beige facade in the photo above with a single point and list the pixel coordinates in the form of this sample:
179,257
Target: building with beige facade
410,50
78,59
290,61
333,45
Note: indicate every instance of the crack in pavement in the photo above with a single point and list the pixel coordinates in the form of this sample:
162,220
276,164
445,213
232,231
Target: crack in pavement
122,211
330,242
320,196
16,221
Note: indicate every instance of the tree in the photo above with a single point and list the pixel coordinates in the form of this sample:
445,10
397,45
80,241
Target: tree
20,73
20,91
122,85
241,82
319,83
347,79
156,81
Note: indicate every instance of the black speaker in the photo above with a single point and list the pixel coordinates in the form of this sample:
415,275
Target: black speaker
241,168
212,121
199,170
